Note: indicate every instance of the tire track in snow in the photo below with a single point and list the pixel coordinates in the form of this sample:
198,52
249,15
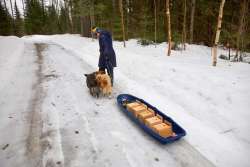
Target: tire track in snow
34,150
42,142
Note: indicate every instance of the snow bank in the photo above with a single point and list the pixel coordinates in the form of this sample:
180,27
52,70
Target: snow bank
10,47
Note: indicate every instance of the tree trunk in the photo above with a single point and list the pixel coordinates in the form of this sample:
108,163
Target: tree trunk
23,7
214,49
5,5
67,15
13,18
113,16
168,27
70,13
155,7
243,10
192,21
92,17
127,18
122,22
85,26
81,18
43,12
184,25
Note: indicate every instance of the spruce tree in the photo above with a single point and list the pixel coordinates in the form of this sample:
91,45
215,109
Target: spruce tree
34,23
52,20
5,23
18,22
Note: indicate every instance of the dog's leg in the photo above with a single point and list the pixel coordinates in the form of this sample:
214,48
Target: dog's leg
91,91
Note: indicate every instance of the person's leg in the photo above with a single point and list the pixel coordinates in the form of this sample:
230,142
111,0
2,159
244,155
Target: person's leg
110,73
102,69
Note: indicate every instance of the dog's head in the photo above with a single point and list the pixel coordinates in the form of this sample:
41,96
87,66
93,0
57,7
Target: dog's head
102,80
90,80
99,72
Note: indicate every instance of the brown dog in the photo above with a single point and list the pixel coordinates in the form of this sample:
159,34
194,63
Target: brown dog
104,83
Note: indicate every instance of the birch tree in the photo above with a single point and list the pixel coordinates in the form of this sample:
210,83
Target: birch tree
23,7
5,5
168,27
218,29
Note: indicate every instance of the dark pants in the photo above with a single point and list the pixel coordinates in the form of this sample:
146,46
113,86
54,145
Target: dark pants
110,72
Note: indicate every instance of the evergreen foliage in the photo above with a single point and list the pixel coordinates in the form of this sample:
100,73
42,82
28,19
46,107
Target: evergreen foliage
34,17
5,23
74,16
18,31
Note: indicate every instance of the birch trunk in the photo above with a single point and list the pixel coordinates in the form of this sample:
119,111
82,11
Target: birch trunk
70,16
23,7
218,29
5,5
168,27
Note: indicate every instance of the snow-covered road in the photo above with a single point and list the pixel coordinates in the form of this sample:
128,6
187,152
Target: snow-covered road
49,119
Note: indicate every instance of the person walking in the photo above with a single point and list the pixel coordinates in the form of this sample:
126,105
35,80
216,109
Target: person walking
107,58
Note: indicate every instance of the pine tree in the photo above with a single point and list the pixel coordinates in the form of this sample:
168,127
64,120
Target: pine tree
52,20
5,24
18,22
34,23
192,22
155,17
184,25
243,10
13,18
61,21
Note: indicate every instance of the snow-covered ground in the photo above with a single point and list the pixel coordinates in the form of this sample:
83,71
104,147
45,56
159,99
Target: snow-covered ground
48,118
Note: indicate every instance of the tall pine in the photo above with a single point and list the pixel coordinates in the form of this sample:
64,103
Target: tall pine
19,31
5,23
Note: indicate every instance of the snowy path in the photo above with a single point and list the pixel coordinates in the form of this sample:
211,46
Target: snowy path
53,121
96,131
18,79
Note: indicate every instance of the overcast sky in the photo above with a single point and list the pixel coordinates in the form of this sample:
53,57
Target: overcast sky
19,4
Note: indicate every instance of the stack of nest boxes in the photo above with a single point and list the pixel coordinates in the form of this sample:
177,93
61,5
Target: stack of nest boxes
149,118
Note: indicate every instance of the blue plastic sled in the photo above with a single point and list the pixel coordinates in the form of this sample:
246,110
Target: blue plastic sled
177,129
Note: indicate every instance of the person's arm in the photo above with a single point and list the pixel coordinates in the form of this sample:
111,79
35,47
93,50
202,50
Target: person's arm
104,46
101,46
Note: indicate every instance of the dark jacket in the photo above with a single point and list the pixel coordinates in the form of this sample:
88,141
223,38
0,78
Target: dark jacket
107,53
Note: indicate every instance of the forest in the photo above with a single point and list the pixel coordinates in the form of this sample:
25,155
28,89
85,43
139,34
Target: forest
191,21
